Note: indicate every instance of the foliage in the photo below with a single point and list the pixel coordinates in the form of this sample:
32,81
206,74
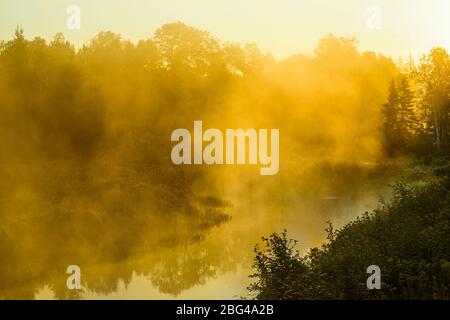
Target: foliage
416,113
408,239
85,142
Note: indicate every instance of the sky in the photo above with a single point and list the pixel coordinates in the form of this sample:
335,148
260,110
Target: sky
279,27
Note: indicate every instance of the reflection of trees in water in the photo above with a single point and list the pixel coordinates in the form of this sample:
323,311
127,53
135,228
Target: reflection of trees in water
85,173
139,219
67,216
191,266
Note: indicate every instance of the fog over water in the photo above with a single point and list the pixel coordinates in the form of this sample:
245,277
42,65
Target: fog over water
86,177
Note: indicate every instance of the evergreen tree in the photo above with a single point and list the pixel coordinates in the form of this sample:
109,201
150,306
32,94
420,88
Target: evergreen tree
407,120
390,124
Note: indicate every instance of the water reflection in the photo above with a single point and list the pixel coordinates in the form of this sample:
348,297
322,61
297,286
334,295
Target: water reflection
52,217
173,237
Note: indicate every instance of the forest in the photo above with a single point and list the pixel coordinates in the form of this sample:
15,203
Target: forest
407,236
86,174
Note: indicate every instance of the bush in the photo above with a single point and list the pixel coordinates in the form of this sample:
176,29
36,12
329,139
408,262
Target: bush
408,239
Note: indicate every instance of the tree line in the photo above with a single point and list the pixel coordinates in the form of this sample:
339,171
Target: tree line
85,140
416,114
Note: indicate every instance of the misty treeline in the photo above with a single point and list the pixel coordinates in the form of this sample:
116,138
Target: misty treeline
406,238
416,113
85,170
111,94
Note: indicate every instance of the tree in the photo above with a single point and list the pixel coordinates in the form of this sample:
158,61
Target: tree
279,268
434,75
390,112
400,123
407,119
186,49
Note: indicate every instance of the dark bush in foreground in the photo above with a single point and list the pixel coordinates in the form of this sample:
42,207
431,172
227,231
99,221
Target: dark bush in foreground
409,239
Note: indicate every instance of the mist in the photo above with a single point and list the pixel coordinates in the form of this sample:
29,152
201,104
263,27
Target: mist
85,171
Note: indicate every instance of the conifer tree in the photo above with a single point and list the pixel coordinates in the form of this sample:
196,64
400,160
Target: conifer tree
407,120
390,124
